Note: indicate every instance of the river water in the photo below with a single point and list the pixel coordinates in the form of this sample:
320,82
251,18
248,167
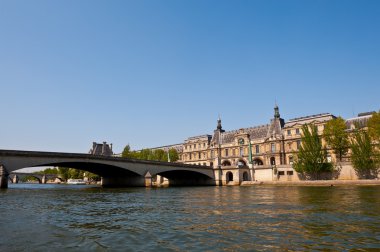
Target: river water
266,218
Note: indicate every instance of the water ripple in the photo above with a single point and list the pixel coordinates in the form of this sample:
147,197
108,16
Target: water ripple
264,218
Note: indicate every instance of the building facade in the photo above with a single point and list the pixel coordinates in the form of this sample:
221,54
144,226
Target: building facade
260,153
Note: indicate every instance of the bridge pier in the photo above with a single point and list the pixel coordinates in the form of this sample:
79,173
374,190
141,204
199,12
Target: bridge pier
148,180
44,179
4,176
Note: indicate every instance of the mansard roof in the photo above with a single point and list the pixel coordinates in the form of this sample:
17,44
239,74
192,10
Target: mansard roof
257,132
361,121
196,138
177,147
318,118
275,127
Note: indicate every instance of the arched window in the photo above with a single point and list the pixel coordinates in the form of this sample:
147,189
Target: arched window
272,161
241,163
226,163
229,177
257,161
245,176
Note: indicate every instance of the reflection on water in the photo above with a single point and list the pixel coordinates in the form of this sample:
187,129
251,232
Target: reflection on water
269,218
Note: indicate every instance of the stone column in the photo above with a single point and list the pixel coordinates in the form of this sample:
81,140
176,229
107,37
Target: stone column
15,179
4,175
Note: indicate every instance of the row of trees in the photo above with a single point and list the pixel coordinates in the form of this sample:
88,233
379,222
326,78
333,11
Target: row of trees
148,154
364,145
66,173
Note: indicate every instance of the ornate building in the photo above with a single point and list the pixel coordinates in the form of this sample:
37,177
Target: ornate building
101,149
262,153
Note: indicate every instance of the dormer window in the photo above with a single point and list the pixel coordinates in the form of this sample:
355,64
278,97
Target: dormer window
241,141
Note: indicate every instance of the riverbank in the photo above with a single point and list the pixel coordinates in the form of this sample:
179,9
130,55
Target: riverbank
314,182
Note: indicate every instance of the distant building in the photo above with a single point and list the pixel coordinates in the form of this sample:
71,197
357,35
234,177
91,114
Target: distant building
101,149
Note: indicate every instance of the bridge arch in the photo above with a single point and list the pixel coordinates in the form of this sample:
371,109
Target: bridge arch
115,171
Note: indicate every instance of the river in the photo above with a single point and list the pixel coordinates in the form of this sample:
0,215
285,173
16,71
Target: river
37,217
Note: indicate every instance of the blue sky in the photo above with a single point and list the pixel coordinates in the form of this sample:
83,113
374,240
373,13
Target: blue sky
152,73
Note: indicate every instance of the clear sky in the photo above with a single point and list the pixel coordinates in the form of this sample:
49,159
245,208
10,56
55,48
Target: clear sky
152,73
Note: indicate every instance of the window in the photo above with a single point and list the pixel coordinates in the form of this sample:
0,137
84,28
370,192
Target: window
273,147
199,146
199,155
233,152
190,156
241,151
257,149
289,132
297,131
204,145
195,146
226,152
211,164
298,144
241,141
204,155
281,173
289,173
185,147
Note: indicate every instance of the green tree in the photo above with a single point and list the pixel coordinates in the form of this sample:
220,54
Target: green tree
160,155
312,157
336,136
364,157
374,126
75,173
92,176
126,152
64,173
49,171
146,154
173,154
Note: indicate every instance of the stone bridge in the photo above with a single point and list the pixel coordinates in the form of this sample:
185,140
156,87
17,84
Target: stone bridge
14,177
115,171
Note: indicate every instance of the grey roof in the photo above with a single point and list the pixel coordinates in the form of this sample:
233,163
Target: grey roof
309,119
275,127
177,147
198,137
360,121
257,132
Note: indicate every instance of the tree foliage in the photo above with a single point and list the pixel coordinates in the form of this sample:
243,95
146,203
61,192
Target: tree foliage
374,126
364,156
312,157
149,154
336,136
174,156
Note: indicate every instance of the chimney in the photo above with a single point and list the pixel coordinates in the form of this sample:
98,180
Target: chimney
104,148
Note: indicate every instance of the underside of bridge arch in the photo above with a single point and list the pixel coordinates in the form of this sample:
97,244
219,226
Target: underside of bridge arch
103,170
187,178
112,176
